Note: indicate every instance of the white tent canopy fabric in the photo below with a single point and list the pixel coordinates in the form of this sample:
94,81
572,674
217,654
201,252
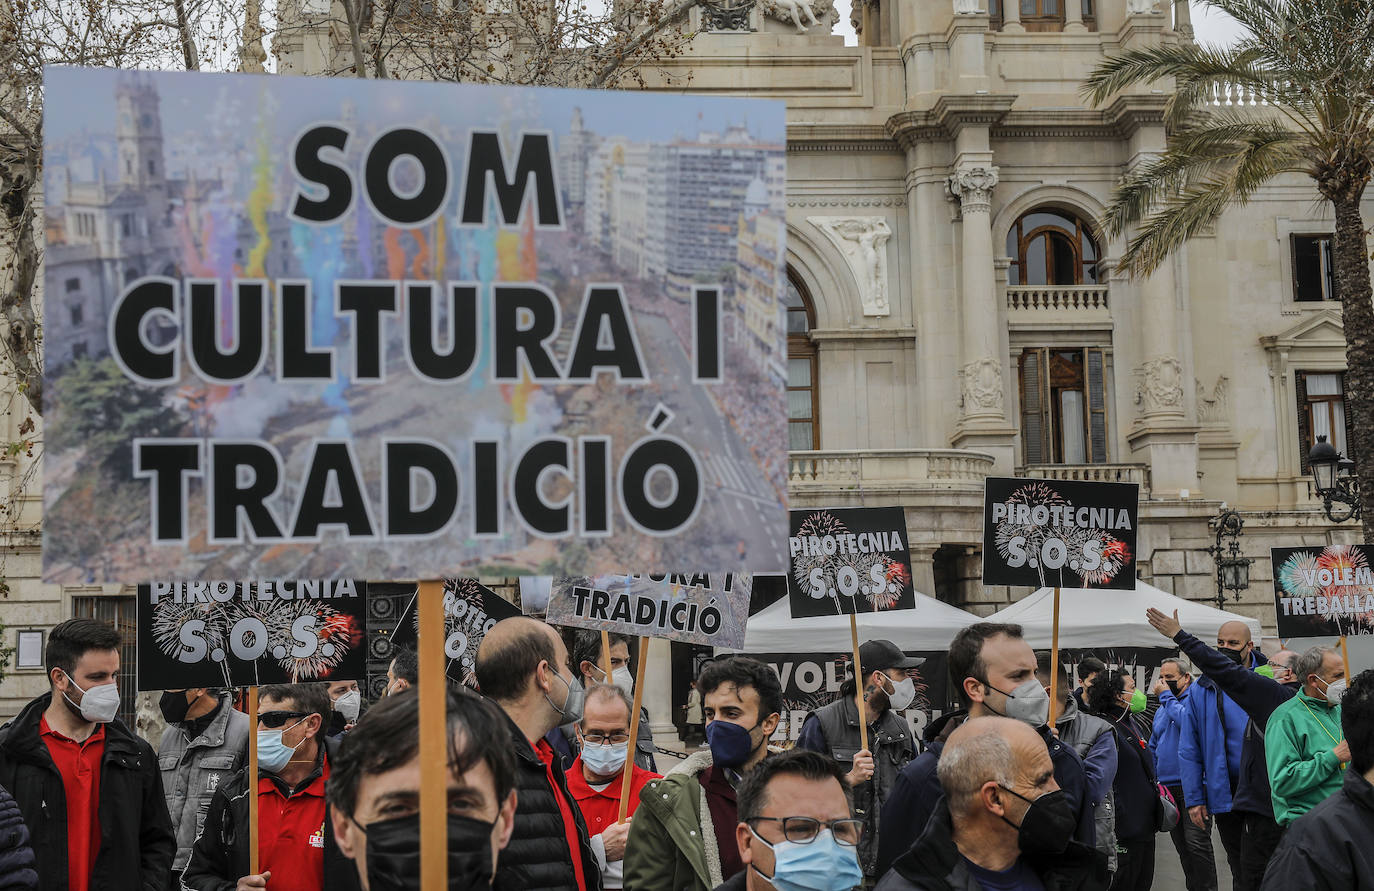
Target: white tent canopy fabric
930,626
1095,617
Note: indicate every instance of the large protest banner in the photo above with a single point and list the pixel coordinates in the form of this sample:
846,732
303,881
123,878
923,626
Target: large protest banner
1059,533
231,634
360,328
470,610
702,608
1323,592
849,560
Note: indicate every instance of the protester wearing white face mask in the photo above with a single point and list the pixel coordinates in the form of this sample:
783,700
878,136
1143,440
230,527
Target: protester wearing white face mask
87,787
597,776
1303,742
833,730
590,661
994,673
348,704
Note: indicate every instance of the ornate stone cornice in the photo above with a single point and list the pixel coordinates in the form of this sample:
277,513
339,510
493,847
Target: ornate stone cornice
847,201
839,138
947,117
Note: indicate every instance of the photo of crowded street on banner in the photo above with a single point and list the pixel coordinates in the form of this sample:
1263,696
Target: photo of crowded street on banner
686,445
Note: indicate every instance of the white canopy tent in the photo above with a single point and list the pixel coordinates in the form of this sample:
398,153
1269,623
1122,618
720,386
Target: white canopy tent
930,626
1095,617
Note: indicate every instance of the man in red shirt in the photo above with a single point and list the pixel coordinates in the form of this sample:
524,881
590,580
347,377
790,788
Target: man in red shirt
522,666
296,852
88,788
597,776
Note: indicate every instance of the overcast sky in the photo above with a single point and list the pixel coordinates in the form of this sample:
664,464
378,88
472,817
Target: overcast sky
1209,25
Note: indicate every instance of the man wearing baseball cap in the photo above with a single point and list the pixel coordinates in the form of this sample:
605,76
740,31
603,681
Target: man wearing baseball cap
834,731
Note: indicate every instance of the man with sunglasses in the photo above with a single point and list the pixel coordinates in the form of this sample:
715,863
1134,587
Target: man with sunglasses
295,851
1003,821
597,775
797,827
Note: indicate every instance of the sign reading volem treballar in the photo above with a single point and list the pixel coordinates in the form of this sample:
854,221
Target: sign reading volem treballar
1323,592
1059,533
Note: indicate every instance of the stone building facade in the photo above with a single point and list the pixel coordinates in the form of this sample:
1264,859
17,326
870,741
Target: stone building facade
955,310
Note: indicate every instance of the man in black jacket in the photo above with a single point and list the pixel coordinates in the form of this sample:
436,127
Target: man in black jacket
87,787
522,666
1332,846
296,846
1002,823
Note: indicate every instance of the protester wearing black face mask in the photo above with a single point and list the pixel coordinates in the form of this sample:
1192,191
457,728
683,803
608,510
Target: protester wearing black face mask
1192,842
204,745
1004,822
374,793
1258,696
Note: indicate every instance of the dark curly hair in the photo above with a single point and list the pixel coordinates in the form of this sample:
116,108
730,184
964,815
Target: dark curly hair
1104,696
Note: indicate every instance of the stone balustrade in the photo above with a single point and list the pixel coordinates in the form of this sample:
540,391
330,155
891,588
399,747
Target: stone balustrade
1069,298
1093,473
914,468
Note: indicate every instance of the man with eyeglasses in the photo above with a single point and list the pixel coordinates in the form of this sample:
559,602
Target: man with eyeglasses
295,849
1003,822
597,776
797,827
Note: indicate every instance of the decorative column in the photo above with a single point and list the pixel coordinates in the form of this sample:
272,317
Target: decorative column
1073,16
1183,19
982,417
1011,17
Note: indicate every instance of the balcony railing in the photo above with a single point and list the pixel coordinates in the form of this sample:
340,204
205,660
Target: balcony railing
1067,298
921,468
1092,473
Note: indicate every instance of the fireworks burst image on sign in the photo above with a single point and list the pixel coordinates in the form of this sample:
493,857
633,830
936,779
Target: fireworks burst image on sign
1321,592
470,611
229,634
849,561
1059,533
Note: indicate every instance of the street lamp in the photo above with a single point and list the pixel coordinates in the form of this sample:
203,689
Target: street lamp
1233,570
1333,475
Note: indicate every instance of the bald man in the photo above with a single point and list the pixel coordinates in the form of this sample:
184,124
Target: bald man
1003,821
1238,672
522,666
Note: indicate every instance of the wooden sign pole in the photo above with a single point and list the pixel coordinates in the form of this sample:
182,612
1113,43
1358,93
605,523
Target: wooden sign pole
606,655
253,781
433,739
859,682
1345,657
1054,663
627,772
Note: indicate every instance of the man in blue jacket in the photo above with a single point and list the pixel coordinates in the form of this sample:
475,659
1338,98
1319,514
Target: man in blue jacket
1258,693
1209,747
1193,842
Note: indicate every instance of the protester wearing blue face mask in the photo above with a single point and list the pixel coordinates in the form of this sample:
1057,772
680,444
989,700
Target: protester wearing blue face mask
596,777
797,830
683,835
296,850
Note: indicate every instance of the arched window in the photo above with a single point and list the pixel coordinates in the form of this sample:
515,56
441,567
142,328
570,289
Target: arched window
1051,247
803,416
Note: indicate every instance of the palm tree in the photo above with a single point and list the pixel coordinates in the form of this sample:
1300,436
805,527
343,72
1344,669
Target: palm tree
1310,65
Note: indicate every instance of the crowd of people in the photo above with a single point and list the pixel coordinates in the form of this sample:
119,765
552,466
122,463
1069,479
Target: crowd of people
1019,788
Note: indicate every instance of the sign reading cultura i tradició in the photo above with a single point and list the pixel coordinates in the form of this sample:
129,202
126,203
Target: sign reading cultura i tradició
381,329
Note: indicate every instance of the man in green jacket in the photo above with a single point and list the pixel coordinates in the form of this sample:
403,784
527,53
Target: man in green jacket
682,837
1303,742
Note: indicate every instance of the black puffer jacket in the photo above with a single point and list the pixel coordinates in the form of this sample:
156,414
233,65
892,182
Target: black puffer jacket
16,857
136,840
1331,847
538,847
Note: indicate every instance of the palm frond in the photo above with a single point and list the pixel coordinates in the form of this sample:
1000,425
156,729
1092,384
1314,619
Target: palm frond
1192,205
1146,65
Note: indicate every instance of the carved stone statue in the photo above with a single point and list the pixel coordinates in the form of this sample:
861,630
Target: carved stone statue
1142,7
1214,408
1159,385
982,385
794,10
863,242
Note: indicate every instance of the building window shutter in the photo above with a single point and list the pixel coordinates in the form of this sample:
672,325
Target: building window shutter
1304,418
1035,407
1095,363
